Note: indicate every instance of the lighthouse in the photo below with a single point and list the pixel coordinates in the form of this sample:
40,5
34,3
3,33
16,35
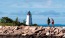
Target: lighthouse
29,19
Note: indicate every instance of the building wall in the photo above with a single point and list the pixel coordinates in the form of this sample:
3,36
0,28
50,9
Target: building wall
29,20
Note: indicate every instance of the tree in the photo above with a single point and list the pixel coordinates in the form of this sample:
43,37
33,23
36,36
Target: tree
6,20
24,21
16,19
16,22
35,25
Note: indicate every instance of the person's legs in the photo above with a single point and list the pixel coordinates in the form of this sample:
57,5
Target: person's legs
49,24
52,25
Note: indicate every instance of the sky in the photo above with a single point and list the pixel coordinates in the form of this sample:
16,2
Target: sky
40,10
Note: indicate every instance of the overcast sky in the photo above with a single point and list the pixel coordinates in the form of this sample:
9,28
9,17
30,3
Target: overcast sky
40,9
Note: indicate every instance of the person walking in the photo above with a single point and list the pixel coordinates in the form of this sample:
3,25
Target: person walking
52,22
48,21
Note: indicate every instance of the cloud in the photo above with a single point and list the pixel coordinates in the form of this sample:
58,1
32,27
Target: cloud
32,4
51,13
17,13
48,13
37,4
48,3
2,13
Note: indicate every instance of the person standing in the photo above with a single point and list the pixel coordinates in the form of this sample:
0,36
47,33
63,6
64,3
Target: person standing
48,21
52,22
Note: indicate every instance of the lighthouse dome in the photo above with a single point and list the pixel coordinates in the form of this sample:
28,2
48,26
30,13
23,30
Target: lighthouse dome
29,13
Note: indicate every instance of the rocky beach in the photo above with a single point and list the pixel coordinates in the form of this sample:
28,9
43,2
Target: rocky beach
31,32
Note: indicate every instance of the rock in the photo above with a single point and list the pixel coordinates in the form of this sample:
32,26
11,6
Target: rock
0,27
26,27
24,34
32,28
47,33
31,31
16,32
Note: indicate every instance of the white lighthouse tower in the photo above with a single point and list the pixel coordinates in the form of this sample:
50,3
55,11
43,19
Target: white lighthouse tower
29,19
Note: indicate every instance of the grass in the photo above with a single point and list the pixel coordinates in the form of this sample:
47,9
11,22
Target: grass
6,24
